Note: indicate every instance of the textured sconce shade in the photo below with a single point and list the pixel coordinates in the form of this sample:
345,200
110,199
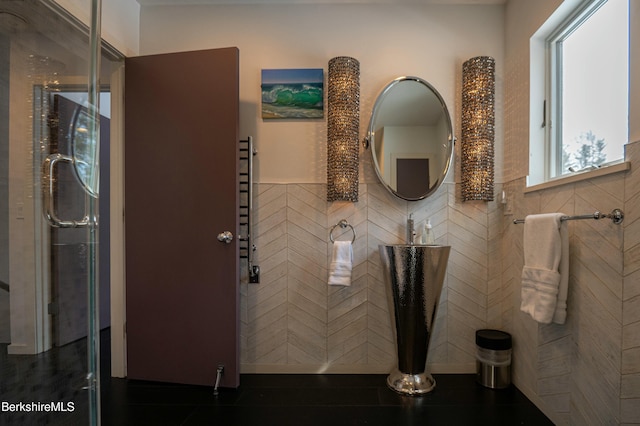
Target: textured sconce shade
478,119
343,126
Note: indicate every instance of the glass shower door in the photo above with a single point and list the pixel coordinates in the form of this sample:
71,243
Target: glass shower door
49,270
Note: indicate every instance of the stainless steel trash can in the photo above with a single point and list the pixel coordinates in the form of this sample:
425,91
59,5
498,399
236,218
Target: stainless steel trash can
493,358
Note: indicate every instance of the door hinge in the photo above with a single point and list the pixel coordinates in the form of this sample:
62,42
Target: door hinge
52,308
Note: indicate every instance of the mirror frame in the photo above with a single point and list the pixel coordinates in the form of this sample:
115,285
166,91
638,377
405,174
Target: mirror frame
370,139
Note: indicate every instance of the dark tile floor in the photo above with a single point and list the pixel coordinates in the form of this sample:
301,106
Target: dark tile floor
271,400
316,400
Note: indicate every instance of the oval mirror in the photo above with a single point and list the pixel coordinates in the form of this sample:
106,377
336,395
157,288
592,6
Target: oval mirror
411,138
84,151
86,125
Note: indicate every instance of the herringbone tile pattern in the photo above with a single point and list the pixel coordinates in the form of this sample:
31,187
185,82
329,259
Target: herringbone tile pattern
294,322
630,382
559,362
263,327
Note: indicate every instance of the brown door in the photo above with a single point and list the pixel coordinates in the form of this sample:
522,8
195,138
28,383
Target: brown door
181,191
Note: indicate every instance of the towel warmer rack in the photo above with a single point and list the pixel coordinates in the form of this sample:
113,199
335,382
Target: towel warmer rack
247,248
616,216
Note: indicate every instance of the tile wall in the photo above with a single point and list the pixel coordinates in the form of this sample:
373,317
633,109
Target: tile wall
586,371
294,322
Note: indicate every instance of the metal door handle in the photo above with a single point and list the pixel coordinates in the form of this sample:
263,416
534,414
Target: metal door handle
49,201
225,237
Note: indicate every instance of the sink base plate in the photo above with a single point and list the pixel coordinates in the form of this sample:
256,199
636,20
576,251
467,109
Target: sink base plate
411,384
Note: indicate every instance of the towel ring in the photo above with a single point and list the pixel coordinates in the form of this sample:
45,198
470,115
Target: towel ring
342,224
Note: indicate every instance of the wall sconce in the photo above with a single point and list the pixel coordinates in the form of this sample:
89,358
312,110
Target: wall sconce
343,127
478,119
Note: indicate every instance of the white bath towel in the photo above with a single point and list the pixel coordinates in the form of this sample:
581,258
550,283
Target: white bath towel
545,276
341,263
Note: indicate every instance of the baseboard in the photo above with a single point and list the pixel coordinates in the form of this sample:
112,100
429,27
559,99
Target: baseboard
465,368
462,368
312,369
19,349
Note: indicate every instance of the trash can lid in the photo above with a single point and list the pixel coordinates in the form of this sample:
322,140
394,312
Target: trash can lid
493,339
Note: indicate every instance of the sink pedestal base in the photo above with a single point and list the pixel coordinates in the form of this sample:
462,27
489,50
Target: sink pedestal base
411,384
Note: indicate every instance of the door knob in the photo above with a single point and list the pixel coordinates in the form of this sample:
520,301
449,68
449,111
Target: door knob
225,237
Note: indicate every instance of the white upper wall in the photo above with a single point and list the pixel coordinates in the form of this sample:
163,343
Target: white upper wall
429,41
120,21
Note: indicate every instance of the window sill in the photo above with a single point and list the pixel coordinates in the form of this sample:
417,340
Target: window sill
580,176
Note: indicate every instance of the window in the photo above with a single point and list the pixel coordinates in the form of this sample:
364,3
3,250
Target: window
585,102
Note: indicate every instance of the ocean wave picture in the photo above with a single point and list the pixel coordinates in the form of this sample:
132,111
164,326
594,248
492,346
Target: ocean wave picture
292,93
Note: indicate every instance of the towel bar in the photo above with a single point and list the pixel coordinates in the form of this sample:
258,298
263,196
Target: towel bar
342,224
616,216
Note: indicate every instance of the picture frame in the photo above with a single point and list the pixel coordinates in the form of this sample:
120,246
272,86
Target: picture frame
296,93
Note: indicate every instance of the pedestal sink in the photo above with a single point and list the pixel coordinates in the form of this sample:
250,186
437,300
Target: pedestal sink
413,275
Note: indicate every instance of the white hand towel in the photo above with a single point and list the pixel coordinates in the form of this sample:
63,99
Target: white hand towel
545,275
341,263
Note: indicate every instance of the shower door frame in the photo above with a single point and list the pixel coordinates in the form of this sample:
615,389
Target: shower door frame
43,339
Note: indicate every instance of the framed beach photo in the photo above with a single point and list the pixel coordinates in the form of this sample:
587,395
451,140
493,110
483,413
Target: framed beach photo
292,93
